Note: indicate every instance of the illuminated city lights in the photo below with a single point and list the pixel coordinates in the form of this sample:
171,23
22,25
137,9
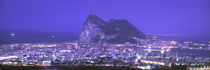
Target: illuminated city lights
8,57
47,54
152,62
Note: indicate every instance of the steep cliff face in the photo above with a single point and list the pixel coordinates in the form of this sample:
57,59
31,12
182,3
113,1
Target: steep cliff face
95,30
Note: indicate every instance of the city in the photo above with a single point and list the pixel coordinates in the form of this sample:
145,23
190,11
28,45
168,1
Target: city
104,35
146,56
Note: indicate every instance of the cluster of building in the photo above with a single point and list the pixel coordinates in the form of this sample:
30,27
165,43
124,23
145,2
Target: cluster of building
161,53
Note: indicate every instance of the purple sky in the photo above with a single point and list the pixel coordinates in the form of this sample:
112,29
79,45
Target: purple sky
185,17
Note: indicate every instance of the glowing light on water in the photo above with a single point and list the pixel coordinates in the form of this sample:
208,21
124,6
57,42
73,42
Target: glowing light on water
12,35
53,36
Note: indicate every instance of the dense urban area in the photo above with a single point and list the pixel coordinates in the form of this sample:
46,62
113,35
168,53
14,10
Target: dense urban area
143,56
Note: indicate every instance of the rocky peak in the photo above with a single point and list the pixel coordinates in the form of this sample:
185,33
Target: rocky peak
93,19
95,30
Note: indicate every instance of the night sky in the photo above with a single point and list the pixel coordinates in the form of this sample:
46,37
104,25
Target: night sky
173,17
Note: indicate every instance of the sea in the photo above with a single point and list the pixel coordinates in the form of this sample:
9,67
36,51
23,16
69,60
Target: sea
51,37
37,37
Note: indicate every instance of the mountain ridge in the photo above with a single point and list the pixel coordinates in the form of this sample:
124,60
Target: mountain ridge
95,30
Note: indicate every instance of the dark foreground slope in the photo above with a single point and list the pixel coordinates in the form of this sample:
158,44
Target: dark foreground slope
5,67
